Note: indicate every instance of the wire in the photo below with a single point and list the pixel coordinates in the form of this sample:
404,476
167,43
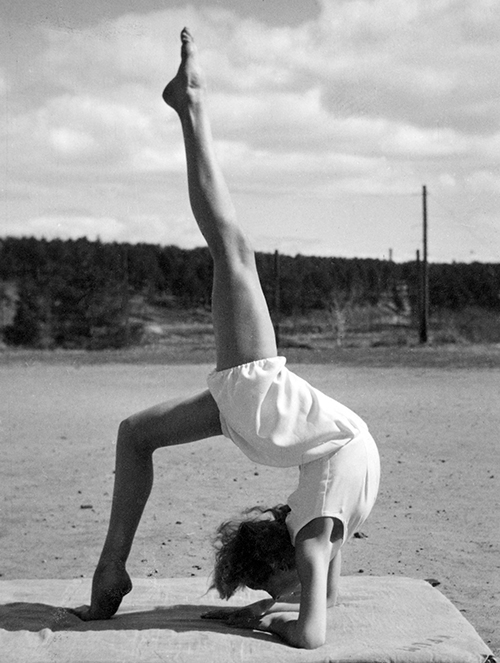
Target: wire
452,216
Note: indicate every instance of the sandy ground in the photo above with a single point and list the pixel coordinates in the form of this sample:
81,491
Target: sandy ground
437,515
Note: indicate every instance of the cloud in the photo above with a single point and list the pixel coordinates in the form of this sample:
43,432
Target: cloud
485,181
418,50
368,98
84,134
72,227
383,66
130,49
133,228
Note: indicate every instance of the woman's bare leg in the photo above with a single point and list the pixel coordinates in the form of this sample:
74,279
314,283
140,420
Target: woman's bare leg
242,325
138,437
243,332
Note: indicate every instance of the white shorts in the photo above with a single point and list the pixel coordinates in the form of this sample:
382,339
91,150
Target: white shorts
277,418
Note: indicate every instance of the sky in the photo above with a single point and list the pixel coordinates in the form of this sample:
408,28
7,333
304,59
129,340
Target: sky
329,117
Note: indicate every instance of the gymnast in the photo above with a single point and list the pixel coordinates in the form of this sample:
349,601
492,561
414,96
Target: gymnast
291,551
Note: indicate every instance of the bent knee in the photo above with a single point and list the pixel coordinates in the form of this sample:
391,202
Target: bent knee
126,429
131,433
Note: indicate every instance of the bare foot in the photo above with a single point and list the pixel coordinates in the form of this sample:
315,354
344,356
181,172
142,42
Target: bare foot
188,85
110,584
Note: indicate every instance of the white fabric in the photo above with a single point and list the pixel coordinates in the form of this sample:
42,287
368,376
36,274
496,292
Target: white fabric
377,620
277,418
342,485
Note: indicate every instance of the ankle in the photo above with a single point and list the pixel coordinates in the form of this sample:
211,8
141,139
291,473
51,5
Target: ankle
109,560
193,105
183,96
194,120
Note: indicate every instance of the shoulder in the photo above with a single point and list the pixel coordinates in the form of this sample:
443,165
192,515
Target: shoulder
319,534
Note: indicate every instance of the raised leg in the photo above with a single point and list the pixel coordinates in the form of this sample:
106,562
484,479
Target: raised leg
138,437
242,325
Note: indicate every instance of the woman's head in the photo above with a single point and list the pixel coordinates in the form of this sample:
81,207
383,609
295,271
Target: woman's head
251,550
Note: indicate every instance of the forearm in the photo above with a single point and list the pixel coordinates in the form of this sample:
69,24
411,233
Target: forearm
281,606
292,607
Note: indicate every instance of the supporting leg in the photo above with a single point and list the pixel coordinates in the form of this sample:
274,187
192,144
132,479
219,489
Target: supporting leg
160,426
242,325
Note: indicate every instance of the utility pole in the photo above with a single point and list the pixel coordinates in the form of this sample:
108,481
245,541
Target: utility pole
277,296
126,295
424,275
419,291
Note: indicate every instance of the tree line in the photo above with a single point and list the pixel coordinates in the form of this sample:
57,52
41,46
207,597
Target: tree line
77,293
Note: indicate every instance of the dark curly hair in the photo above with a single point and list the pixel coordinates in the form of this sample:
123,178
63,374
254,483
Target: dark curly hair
251,549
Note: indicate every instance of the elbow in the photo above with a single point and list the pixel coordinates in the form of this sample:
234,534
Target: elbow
312,642
312,638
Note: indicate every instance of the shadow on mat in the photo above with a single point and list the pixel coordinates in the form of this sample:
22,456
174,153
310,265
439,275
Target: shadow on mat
179,618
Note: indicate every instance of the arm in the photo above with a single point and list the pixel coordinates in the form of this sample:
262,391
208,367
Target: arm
250,615
319,581
333,580
254,611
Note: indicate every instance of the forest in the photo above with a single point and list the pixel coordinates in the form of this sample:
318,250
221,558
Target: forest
83,294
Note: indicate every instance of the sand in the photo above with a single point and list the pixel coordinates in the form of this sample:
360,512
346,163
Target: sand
437,515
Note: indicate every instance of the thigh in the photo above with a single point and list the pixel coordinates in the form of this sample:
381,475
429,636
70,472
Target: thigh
176,422
242,324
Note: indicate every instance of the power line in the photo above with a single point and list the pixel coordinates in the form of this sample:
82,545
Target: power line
485,242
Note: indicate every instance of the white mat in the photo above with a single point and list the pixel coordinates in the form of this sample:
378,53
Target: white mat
378,620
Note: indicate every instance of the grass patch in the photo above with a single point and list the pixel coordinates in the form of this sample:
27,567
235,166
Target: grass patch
373,338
